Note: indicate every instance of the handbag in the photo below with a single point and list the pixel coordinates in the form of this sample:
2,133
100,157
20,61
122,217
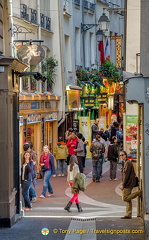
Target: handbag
44,168
136,182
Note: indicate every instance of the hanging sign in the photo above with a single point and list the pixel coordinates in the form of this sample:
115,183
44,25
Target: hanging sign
89,102
102,98
31,54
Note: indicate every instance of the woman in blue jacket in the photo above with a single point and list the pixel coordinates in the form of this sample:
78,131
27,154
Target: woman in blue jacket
26,178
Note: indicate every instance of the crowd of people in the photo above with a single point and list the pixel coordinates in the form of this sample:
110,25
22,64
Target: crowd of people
106,145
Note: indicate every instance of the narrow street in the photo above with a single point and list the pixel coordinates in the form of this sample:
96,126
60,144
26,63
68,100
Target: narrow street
102,208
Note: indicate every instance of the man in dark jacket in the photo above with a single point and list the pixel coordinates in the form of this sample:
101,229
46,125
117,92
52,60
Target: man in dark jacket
97,149
112,157
128,182
95,129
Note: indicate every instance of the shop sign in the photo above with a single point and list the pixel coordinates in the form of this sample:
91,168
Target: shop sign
89,102
29,105
85,129
131,127
75,125
51,116
21,121
102,98
34,118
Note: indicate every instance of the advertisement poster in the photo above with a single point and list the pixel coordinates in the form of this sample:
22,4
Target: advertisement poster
85,129
131,127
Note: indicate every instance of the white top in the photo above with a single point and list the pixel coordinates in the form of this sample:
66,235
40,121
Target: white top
73,173
24,165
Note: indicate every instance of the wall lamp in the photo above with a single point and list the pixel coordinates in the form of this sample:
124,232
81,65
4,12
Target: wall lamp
103,24
38,76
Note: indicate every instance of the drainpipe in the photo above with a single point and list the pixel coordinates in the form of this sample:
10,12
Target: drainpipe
11,22
83,40
62,61
39,37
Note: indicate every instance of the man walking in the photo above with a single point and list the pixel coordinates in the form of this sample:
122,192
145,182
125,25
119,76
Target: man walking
97,149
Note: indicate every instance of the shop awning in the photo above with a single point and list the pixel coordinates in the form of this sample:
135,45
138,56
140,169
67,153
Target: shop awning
73,87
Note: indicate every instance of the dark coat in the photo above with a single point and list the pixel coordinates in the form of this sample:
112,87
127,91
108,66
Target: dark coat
95,130
97,149
112,152
128,175
28,171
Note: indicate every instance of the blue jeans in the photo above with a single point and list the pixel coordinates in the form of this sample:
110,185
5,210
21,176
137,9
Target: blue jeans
46,183
32,192
25,193
61,165
97,168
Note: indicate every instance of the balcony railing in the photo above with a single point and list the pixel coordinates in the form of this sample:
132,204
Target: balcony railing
77,2
104,1
33,16
92,6
48,23
86,4
42,20
23,12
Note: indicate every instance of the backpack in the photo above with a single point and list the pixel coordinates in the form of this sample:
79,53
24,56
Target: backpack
80,182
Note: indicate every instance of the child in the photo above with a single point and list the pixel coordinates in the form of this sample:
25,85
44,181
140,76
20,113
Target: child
72,171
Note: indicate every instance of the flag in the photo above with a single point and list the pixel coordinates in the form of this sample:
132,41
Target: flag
107,50
101,50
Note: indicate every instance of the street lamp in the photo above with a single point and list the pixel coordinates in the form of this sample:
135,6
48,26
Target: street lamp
104,22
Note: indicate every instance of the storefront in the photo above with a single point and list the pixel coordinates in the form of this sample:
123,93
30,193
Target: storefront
38,121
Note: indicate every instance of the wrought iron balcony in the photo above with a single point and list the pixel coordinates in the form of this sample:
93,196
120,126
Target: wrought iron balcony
86,3
48,23
33,16
92,6
23,12
77,2
42,20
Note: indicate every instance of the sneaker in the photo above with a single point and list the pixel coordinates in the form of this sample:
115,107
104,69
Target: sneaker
63,175
33,199
41,196
49,195
59,175
115,179
97,180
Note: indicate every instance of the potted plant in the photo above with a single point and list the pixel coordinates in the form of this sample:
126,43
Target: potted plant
49,70
111,72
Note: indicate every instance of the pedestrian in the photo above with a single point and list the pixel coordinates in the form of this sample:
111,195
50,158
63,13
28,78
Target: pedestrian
32,191
85,151
60,152
80,152
128,182
113,157
26,177
95,129
72,171
48,169
68,134
72,145
97,149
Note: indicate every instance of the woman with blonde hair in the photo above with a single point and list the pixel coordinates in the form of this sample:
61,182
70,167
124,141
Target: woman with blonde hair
26,178
72,171
48,168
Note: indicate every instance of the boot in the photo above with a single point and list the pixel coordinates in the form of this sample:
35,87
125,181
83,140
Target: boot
79,207
67,208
